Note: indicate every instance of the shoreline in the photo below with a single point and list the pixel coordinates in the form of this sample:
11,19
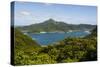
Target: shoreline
57,32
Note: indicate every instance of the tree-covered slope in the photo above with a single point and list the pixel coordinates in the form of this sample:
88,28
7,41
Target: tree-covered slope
67,50
23,45
23,40
27,51
52,26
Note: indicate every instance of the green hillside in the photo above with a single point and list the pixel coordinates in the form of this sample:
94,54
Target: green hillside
23,40
51,25
23,45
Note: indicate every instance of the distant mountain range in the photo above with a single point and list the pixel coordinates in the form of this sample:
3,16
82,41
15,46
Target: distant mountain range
51,25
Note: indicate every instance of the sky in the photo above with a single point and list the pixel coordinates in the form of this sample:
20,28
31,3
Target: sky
26,13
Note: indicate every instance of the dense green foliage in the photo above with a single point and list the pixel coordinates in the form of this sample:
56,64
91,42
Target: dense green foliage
28,51
23,43
52,26
21,39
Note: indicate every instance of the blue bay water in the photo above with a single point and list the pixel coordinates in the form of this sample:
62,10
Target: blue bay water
49,38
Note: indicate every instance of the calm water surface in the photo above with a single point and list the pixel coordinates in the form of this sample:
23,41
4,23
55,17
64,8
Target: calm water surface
49,38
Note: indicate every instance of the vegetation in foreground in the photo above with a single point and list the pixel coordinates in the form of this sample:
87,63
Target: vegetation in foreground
28,51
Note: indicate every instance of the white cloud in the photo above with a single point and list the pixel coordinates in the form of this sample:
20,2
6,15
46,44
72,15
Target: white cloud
25,13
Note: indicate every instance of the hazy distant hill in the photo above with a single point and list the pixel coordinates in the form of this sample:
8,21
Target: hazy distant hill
51,25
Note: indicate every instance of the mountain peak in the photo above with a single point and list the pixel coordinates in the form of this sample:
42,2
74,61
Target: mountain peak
50,20
52,25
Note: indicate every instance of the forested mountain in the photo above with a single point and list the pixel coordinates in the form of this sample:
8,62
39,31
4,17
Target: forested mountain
51,25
